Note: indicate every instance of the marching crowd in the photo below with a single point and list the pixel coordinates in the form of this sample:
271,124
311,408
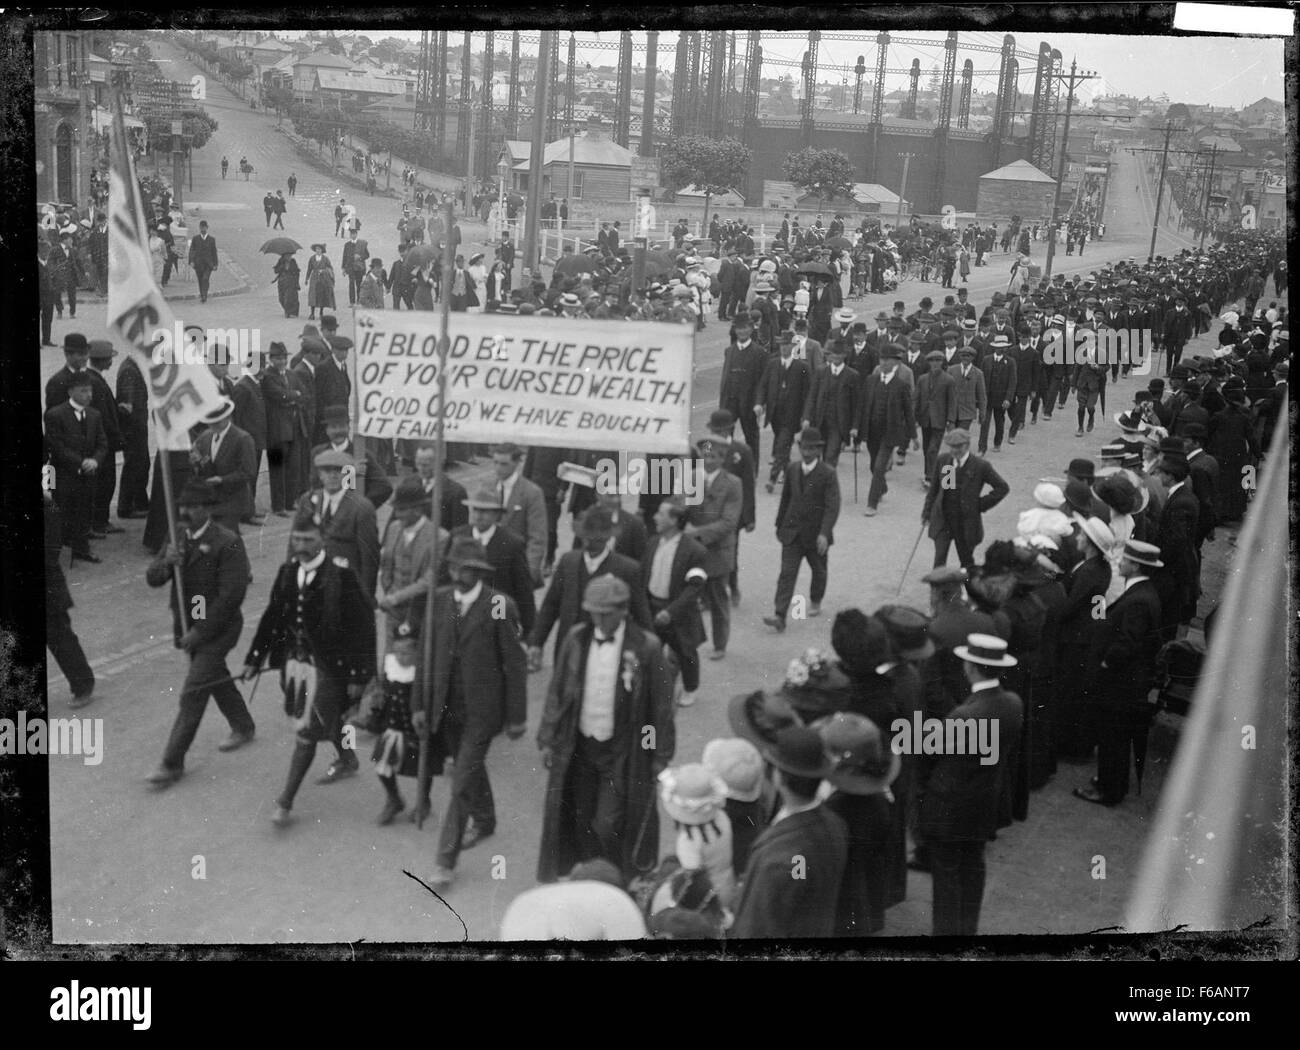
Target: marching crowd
1011,646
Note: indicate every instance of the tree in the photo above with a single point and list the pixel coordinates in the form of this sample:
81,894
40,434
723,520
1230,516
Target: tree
825,172
710,165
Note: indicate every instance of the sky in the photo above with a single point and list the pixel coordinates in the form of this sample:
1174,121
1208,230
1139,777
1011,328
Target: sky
1201,70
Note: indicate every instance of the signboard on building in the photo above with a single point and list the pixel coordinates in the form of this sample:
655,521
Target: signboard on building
1096,169
645,173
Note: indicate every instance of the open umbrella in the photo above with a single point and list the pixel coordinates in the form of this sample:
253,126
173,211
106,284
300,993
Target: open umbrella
421,254
712,265
815,268
516,199
572,264
280,246
840,244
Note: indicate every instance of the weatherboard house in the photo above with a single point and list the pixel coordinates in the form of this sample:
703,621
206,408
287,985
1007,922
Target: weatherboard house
1017,188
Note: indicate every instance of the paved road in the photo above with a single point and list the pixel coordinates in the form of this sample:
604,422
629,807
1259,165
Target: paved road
126,860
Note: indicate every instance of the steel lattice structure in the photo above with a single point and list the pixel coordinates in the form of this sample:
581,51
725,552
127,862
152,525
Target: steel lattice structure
945,120
809,85
1038,119
487,133
623,90
424,85
648,112
462,109
963,105
512,102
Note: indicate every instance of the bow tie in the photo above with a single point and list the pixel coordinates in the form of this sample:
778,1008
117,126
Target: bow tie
601,641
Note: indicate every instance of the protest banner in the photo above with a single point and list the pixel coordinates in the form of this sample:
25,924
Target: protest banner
582,384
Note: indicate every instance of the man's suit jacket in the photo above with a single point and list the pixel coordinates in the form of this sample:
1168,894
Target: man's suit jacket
378,487
956,511
826,390
1176,538
281,413
809,505
742,371
971,394
1028,364
354,257
1203,478
894,400
250,409
68,445
56,389
333,387
134,391
715,519
1075,620
1126,642
774,905
526,517
783,392
685,586
961,794
936,400
944,683
824,301
813,354
408,590
351,534
740,461
203,253
214,567
510,575
336,618
1000,379
302,379
492,665
101,400
235,465
561,608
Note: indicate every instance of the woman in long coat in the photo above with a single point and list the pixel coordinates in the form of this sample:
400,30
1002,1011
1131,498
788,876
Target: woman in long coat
320,282
1231,441
423,298
643,701
286,283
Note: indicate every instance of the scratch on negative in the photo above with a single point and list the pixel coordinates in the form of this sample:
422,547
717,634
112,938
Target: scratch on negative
440,898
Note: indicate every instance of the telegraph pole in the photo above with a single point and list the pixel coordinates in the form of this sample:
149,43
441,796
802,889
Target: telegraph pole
1164,151
902,189
87,152
1209,188
531,263
1075,77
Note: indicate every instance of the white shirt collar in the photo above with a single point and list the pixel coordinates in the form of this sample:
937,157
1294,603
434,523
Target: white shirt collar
202,530
964,457
836,369
409,533
1176,486
987,683
469,597
809,467
1132,580
311,566
594,563
790,811
485,537
619,634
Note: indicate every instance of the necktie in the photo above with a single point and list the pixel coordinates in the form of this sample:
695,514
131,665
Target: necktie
329,511
501,492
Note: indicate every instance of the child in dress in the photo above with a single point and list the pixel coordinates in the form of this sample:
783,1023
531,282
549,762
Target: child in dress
397,750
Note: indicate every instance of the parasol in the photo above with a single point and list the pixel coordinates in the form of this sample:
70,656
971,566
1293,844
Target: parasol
421,254
818,268
280,246
840,244
573,264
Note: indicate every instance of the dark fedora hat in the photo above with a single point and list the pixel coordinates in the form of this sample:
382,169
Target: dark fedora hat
197,494
759,716
410,494
468,553
1078,495
1082,468
799,751
811,437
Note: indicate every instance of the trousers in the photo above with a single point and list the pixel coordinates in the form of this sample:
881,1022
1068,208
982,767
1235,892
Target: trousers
793,555
782,443
207,677
598,801
958,872
65,647
882,456
998,415
688,658
718,599
105,486
133,486
471,791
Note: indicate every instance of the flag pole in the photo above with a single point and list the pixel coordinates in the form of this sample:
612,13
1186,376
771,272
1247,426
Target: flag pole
136,220
423,775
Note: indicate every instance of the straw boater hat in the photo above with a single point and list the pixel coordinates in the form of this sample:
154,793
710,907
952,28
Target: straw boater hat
1099,533
692,794
861,763
1147,554
987,650
738,765
224,410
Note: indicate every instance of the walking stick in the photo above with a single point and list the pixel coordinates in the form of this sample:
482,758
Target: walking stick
854,450
909,559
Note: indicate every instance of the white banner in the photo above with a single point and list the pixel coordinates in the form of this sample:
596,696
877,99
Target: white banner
550,381
181,389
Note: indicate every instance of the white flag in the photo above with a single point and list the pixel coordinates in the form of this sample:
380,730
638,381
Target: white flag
181,388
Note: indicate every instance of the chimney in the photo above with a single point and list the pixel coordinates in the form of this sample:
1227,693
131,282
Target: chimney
594,126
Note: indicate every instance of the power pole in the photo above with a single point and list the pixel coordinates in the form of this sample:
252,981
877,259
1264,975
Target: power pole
1075,77
1209,188
86,158
541,86
1164,151
902,189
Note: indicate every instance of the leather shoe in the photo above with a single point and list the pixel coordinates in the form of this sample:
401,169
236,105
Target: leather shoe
718,654
775,621
164,777
339,769
254,521
870,512
235,741
89,556
814,609
282,816
474,834
391,808
771,487
81,701
441,878
112,530
1091,794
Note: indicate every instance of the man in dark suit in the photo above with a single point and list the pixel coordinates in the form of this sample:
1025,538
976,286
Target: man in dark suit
333,384
935,408
673,577
524,502
1203,477
302,378
832,403
281,401
78,449
805,524
318,630
823,301
213,566
740,460
76,356
250,417
101,360
223,458
772,903
1124,662
727,285
1178,582
712,519
955,499
959,812
133,417
60,638
203,259
453,512
742,371
781,397
504,549
1028,363
1076,625
1176,331
561,607
347,519
886,421
479,688
355,254
1000,384
608,687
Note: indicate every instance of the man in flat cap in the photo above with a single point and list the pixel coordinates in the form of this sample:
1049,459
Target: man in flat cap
347,519
955,499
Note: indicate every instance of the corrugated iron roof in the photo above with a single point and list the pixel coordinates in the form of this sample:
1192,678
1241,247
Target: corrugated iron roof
1019,171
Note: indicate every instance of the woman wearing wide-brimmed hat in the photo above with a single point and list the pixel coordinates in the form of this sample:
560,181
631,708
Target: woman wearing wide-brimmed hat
320,282
1076,623
694,798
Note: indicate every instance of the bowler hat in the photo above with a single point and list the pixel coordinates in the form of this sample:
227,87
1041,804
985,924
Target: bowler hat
328,322
277,349
334,414
410,494
197,494
811,437
862,764
75,342
722,419
606,594
1078,495
468,553
1081,468
798,751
